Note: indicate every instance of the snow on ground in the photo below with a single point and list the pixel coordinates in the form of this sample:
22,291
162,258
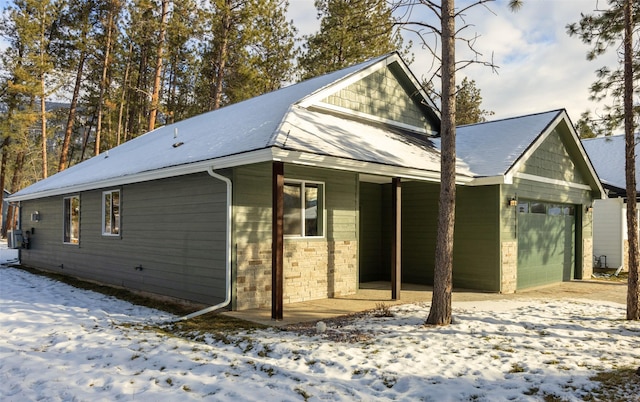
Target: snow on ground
59,343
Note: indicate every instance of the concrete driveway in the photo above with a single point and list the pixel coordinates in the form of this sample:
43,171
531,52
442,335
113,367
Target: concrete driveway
374,294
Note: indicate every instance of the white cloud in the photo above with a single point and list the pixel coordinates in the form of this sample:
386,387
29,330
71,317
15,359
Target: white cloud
540,66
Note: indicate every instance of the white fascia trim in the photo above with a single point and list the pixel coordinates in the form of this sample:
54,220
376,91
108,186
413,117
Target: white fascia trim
350,112
331,162
262,155
547,180
488,181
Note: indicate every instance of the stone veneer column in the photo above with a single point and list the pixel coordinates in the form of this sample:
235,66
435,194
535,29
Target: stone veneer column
312,270
253,281
509,253
587,257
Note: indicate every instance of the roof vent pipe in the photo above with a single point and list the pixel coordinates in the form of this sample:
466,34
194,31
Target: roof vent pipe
227,299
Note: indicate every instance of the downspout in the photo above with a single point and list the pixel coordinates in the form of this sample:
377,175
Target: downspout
227,299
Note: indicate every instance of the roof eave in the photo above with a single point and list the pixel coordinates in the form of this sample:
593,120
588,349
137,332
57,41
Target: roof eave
248,158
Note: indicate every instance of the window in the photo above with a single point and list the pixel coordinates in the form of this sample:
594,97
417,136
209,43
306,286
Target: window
304,209
538,208
523,207
554,210
111,213
71,212
534,207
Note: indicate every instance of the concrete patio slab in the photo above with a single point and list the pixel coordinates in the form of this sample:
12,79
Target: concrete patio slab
373,294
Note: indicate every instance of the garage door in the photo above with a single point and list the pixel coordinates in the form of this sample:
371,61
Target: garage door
546,243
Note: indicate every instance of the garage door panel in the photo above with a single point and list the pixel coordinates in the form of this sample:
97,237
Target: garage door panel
545,247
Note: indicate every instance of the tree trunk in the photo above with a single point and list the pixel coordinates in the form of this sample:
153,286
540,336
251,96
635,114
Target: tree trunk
64,153
123,96
440,312
103,80
155,95
43,101
43,127
9,223
633,291
3,174
222,58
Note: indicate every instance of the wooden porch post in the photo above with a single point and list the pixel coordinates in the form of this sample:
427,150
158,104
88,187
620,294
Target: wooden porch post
396,260
277,242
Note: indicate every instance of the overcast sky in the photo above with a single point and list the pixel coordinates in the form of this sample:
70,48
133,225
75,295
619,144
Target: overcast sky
540,67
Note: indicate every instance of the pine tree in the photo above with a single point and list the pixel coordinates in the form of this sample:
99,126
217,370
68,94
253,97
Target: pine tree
607,29
184,28
34,23
155,94
351,31
246,51
468,104
76,25
267,62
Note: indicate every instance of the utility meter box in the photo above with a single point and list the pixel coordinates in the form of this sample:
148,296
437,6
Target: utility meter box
14,238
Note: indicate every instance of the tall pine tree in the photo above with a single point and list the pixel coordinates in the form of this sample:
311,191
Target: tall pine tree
351,31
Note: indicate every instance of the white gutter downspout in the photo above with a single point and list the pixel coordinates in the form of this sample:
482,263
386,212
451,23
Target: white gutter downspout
227,299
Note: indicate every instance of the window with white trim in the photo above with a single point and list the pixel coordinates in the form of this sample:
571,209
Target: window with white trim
71,225
303,209
111,213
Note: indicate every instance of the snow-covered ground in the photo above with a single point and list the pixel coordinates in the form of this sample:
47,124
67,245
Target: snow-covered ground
59,343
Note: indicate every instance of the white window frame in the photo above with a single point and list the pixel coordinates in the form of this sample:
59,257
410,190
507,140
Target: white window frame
104,207
321,198
69,224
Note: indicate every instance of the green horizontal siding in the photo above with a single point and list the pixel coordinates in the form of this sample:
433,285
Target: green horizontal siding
252,201
174,228
476,250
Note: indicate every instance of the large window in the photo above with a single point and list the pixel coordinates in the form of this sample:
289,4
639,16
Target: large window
303,209
71,212
111,213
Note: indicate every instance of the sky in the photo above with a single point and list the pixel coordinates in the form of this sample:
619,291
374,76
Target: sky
59,343
541,68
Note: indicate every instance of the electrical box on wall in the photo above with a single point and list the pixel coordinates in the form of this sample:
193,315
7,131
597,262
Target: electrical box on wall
14,238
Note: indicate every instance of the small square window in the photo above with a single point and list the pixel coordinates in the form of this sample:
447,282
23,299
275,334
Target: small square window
523,207
303,209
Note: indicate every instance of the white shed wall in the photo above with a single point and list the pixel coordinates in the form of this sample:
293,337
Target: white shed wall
609,230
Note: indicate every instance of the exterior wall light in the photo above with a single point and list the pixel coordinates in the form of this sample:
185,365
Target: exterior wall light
513,202
35,216
589,209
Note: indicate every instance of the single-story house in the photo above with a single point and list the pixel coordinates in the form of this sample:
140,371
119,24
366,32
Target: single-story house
610,240
305,192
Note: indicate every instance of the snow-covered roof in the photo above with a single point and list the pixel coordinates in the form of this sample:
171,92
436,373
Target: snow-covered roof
242,128
607,155
291,125
492,148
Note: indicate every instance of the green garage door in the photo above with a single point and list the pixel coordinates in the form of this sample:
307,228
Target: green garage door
546,243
